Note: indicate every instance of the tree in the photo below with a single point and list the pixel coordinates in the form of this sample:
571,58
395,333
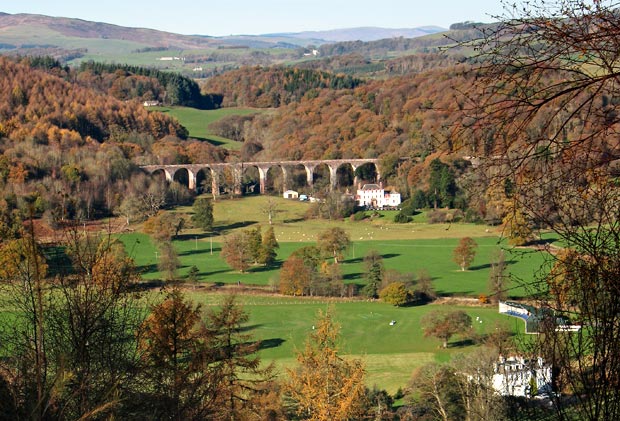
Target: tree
268,248
236,252
334,242
192,274
177,356
518,229
465,252
168,260
295,276
164,226
443,325
324,386
373,262
460,390
70,347
91,320
396,293
434,387
498,278
544,96
236,361
442,186
271,209
424,289
253,239
132,209
203,214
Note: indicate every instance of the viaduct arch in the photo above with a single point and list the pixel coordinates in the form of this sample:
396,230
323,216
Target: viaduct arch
217,169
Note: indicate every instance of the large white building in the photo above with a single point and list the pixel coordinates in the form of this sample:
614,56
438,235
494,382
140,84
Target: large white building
516,376
374,196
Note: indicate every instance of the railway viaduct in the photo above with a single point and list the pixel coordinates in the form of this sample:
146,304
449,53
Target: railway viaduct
217,169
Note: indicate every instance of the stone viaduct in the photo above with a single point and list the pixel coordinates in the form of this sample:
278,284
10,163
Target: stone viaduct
237,169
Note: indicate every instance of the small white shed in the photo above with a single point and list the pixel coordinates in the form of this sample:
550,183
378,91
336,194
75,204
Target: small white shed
290,194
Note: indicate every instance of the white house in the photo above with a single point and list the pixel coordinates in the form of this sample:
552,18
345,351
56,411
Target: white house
375,196
515,376
290,194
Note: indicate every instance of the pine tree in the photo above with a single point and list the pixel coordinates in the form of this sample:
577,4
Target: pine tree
325,386
269,246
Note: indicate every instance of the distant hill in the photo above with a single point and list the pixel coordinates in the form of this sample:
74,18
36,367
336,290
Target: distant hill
363,33
28,29
200,56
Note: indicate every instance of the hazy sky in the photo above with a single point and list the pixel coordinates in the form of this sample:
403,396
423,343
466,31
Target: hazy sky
235,17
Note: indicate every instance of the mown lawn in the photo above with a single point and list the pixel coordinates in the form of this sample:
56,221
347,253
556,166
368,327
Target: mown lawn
407,248
408,256
391,353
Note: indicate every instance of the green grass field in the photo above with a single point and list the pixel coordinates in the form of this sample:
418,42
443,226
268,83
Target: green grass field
407,248
391,353
197,122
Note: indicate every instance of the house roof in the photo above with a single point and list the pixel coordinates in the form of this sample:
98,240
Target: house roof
371,187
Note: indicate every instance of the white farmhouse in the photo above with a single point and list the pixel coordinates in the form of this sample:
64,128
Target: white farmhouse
376,197
516,376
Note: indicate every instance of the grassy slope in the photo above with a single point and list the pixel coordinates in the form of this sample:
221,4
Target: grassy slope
197,122
391,353
405,247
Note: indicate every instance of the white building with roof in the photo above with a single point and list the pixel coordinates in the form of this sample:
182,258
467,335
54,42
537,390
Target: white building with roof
515,376
374,196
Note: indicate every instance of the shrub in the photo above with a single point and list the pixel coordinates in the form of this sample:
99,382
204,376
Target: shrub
359,216
437,216
401,218
396,294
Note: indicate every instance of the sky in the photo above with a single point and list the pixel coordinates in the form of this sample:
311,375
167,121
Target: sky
255,17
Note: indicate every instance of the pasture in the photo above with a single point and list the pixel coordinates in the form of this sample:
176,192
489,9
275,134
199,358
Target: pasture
407,248
390,353
197,122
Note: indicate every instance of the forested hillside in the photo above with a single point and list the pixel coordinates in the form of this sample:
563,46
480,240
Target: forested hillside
274,86
73,151
46,108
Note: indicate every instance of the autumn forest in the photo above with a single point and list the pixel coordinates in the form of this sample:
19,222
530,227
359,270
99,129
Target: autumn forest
508,130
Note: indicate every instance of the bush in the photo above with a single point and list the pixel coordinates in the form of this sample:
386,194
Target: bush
401,218
396,294
359,216
437,216
408,207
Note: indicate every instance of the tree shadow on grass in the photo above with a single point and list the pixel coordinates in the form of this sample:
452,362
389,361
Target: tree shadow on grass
185,237
455,294
351,276
260,269
214,272
462,343
488,265
270,343
223,229
390,255
361,259
541,242
147,269
200,251
293,220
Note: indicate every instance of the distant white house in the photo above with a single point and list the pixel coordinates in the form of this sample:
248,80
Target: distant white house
290,194
515,376
376,197
151,103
